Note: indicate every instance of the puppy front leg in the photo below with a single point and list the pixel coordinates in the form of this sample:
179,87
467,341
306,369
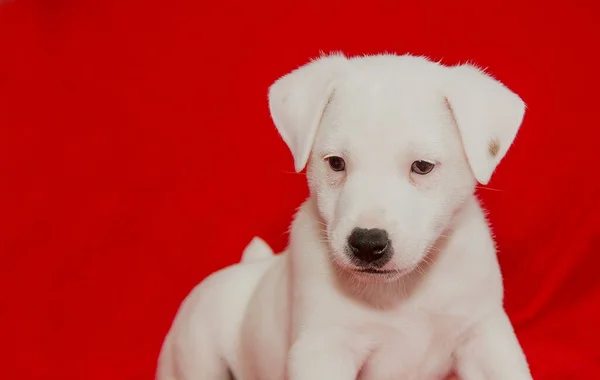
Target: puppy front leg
492,352
335,354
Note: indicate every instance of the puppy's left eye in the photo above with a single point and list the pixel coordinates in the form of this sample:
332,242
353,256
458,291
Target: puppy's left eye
422,167
337,164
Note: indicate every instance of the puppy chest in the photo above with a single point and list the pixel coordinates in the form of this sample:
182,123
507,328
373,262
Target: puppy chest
418,350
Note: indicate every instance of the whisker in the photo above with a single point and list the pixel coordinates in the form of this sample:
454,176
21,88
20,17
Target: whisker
289,172
488,188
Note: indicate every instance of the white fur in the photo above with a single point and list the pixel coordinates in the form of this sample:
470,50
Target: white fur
307,314
256,250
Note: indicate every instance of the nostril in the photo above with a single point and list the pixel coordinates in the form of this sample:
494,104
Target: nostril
354,244
380,248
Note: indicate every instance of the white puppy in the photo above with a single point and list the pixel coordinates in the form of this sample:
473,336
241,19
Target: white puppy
391,272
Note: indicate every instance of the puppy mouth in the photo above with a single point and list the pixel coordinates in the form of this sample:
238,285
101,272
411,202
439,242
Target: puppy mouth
378,275
376,271
383,274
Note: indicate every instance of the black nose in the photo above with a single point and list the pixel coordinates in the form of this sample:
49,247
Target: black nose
369,245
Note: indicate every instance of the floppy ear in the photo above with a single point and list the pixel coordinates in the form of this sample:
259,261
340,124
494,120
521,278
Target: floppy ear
488,116
297,102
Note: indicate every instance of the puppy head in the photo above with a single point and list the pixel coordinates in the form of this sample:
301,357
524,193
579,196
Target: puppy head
394,145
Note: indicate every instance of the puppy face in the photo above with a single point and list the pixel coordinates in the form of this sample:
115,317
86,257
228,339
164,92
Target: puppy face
388,170
395,146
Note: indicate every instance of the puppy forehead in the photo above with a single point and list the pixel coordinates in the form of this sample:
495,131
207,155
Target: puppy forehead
389,103
405,113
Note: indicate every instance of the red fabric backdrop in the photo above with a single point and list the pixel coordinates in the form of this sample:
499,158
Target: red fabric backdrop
137,155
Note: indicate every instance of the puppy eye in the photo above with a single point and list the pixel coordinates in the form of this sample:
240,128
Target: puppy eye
337,164
422,167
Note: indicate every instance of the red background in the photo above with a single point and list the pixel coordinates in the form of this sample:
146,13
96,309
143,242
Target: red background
137,155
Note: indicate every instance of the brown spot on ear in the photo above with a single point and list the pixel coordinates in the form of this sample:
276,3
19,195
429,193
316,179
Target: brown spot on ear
494,147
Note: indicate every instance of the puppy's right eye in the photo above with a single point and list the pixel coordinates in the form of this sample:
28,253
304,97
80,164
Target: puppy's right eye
422,167
337,164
